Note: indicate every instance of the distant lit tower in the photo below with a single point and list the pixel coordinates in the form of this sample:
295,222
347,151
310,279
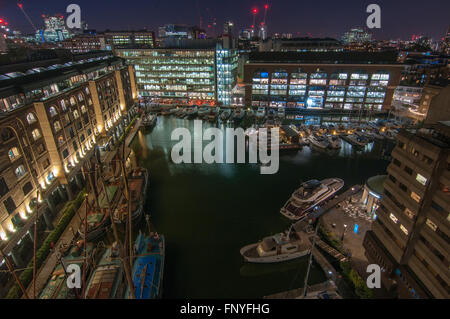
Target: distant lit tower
228,28
55,29
254,13
263,27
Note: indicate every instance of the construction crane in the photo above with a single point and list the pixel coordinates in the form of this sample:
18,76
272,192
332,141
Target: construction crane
20,5
266,7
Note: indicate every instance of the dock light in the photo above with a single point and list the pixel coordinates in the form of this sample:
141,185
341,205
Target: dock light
330,272
42,184
28,208
99,128
55,171
12,228
3,235
23,215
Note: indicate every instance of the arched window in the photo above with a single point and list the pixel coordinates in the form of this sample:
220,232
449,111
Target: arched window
20,171
76,114
83,109
36,134
31,118
61,140
52,111
57,126
80,97
87,90
90,101
63,105
72,101
13,154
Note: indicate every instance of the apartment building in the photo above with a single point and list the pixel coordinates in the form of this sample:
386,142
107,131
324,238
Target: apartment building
51,119
410,239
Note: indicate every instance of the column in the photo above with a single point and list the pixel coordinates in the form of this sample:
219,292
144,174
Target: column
16,258
48,219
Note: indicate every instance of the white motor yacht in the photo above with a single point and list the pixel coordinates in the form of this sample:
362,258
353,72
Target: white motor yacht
310,195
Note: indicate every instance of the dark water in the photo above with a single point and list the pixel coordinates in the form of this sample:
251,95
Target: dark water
209,211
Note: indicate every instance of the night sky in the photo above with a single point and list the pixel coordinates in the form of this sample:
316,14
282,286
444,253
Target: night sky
319,18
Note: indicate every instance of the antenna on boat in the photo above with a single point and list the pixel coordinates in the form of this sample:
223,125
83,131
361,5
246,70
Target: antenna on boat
305,285
130,221
35,244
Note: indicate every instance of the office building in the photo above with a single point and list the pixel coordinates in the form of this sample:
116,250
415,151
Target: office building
121,39
302,45
55,29
185,72
84,43
321,80
356,35
410,236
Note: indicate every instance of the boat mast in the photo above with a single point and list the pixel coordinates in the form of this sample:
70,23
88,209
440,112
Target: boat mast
305,285
35,245
85,232
130,221
116,237
13,273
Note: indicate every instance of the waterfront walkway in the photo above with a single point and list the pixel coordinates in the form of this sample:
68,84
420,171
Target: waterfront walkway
61,246
330,250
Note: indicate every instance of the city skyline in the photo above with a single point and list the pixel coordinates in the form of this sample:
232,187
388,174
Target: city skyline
285,16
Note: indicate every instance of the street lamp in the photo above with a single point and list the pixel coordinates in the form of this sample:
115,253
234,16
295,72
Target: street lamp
343,233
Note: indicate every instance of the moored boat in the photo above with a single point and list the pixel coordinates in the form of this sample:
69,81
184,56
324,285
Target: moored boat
107,279
137,184
310,195
148,268
277,248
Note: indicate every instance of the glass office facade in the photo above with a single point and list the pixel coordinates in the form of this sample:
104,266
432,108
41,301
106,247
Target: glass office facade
341,89
227,63
171,76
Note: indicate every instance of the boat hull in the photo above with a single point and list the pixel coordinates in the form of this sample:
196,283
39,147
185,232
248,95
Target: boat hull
270,259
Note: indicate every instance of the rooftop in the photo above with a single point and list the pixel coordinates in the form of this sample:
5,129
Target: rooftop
375,184
387,57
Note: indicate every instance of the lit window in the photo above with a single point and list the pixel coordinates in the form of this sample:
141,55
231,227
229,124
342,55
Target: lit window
31,118
394,219
20,171
403,228
422,180
52,111
409,213
432,225
76,114
36,134
72,100
57,126
13,153
415,197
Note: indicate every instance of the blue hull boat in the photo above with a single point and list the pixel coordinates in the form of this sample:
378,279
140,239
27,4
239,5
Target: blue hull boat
148,267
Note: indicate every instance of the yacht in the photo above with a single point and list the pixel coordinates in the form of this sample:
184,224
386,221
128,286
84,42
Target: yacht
238,114
149,120
310,195
281,113
318,141
213,114
277,248
334,142
203,111
225,115
355,140
261,112
250,113
191,113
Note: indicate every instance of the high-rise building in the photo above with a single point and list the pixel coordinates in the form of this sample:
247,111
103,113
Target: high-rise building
226,65
228,28
409,239
124,39
55,29
302,45
83,43
357,36
355,81
51,119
